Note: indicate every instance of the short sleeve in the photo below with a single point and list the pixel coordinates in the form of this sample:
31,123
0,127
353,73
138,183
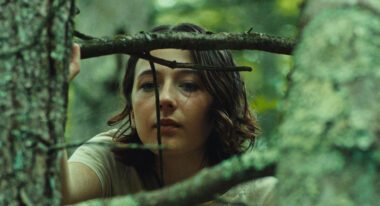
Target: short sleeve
100,159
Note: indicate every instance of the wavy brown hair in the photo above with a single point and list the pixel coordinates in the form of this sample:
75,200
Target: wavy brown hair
235,127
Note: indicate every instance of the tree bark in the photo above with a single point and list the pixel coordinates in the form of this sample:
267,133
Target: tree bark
329,151
185,40
36,38
330,136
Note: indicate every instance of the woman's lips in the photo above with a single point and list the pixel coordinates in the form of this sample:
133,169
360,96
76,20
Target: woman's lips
168,126
168,130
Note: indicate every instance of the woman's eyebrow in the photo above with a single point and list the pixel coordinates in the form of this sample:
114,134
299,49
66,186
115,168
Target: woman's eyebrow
145,72
183,72
179,72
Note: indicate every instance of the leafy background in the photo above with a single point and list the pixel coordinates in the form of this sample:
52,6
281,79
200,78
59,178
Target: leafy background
94,95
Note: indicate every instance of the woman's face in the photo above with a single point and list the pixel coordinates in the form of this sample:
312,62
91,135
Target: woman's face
184,104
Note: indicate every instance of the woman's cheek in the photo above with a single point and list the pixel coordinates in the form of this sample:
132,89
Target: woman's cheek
143,120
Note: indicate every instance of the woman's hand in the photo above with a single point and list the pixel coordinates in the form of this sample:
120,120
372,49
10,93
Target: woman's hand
74,61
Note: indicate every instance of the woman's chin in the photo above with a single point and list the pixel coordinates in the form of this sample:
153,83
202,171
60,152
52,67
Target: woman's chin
172,146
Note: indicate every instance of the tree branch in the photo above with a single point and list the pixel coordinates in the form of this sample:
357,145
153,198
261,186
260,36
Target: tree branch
83,36
112,145
143,42
175,64
205,185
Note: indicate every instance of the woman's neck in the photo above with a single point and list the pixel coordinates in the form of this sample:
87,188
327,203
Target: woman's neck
178,167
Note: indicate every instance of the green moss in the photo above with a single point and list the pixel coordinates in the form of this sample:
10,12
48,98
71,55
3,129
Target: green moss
332,114
18,161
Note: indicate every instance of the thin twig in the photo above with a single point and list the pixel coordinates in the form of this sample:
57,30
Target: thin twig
158,125
83,36
176,65
112,145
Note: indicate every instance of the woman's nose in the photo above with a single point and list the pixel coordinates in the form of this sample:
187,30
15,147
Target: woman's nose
168,101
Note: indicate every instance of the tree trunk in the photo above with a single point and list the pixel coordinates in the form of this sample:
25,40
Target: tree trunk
35,45
331,134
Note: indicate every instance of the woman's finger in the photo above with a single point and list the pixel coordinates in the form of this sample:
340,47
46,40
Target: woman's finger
75,61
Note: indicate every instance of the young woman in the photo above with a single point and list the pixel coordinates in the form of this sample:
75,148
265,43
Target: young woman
204,119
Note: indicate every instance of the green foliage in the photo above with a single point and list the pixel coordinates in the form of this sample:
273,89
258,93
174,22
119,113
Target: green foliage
289,7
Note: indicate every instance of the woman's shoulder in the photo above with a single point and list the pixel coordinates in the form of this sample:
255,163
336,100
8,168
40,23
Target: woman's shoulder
115,177
96,150
106,136
99,145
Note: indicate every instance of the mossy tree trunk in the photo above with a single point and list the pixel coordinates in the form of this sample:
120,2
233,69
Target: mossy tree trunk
35,45
330,139
330,148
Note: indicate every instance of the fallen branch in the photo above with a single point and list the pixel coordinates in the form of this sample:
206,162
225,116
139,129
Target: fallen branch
143,42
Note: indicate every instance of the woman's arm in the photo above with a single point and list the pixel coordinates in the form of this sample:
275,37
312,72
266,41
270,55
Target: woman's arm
79,182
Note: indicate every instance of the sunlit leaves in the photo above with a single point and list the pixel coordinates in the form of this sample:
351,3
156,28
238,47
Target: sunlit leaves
289,7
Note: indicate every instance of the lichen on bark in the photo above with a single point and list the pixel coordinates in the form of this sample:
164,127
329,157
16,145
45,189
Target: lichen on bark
34,56
330,136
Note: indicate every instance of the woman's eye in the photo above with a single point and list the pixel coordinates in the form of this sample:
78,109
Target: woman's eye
147,86
189,86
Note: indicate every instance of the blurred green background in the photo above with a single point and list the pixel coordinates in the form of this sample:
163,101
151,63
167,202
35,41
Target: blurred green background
95,96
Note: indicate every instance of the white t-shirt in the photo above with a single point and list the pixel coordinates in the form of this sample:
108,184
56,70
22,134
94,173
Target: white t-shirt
118,179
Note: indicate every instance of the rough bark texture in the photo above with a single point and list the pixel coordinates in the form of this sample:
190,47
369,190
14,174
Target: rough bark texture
35,44
330,148
185,40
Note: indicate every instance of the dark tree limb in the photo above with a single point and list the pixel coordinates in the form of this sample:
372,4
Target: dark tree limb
83,36
143,42
161,181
